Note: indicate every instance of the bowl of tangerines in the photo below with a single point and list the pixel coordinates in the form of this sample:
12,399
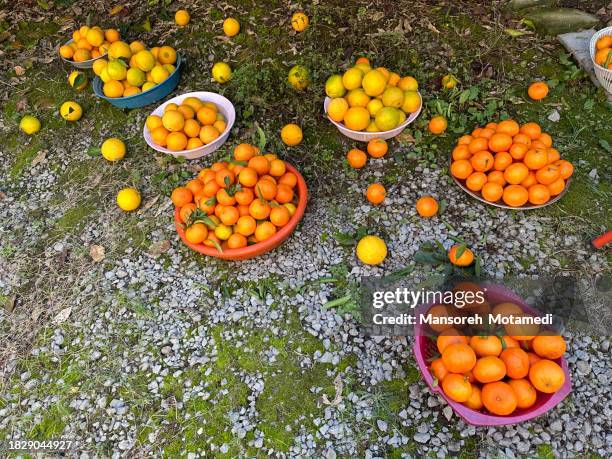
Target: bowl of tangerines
241,208
511,166
492,374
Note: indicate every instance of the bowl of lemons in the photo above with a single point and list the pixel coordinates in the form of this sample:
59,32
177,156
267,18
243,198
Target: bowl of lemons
366,103
134,76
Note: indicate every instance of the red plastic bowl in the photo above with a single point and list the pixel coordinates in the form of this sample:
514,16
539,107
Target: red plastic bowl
260,248
425,348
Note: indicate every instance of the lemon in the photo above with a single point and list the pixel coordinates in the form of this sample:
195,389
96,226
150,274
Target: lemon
136,77
132,90
119,49
113,89
352,78
374,83
78,80
169,68
104,76
29,124
136,46
221,72
128,199
393,97
371,250
357,118
372,127
364,67
144,60
291,134
299,77
71,111
357,98
402,117
153,122
412,101
113,149
148,85
159,74
99,65
449,82
299,22
337,108
231,27
408,83
387,118
116,70
374,105
334,87
182,17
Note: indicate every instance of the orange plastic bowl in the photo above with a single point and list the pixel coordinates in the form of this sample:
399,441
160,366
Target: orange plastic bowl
260,248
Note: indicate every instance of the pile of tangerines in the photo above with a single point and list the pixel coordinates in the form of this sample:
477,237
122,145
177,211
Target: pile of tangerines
232,204
501,373
512,163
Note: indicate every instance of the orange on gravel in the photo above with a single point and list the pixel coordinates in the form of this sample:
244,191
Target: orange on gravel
427,206
499,398
458,358
466,258
476,181
461,169
538,90
515,195
377,148
356,158
492,191
376,193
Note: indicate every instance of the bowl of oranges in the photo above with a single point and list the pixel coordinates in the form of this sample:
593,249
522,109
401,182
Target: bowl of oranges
489,376
510,165
601,54
191,125
366,103
88,44
239,209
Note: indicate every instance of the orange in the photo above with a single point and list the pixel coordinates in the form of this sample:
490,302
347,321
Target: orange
427,206
515,173
187,111
556,187
377,148
196,233
478,144
502,161
159,136
531,130
243,152
181,196
522,138
489,369
491,125
458,358
508,342
465,140
546,376
225,178
376,193
437,125
486,345
196,186
482,161
289,179
284,194
448,336
248,177
236,241
224,198
515,195
438,370
211,187
538,194
186,211
516,361
476,132
277,167
476,181
546,139
259,210
207,116
111,35
260,164
208,134
475,400
509,127
229,215
496,177
536,158
548,174
191,128
81,55
246,225
566,169
533,358
461,169
518,150
529,180
492,191
604,42
500,141
538,90
264,231
549,346
461,152
244,196
268,177
439,311
526,394
601,56
265,189
466,258
457,387
208,205
279,216
356,158
499,398
486,133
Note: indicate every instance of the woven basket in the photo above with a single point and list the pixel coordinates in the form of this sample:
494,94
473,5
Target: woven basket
603,75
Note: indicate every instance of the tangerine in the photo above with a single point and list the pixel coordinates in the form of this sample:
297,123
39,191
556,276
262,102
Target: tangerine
489,369
515,195
546,376
516,361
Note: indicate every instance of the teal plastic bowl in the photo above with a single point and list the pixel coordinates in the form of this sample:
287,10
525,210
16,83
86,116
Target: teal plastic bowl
142,99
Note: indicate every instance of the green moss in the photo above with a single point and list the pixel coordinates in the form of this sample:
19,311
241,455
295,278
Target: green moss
29,33
74,219
545,451
24,156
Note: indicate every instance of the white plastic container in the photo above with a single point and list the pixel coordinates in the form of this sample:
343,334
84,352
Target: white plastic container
225,107
81,65
604,75
363,136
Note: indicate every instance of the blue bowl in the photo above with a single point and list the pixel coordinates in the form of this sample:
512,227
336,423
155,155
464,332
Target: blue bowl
154,94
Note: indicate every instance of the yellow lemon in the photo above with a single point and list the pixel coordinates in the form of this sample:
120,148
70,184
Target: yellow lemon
337,108
166,55
144,60
29,124
104,76
113,149
408,83
136,77
374,105
128,199
387,118
116,70
371,250
299,77
119,49
412,101
357,98
402,117
78,80
99,65
132,90
221,72
194,103
182,17
334,87
231,27
159,74
364,67
173,120
113,89
71,111
153,121
291,134
374,83
95,37
357,118
352,78
393,97
148,85
449,82
372,127
299,22
169,68
170,106
137,46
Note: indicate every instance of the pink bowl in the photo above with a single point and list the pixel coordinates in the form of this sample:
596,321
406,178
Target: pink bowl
425,348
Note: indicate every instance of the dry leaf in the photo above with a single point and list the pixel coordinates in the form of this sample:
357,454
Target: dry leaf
36,313
62,316
9,303
19,70
158,248
2,196
150,203
116,9
97,253
21,104
39,158
338,385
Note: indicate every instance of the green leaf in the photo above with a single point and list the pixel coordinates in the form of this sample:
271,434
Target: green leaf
44,4
443,206
94,151
589,104
262,138
515,33
427,258
147,25
605,145
460,251
529,23
79,80
465,95
345,239
477,267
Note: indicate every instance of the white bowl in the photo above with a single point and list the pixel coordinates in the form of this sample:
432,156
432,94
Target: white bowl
363,136
81,65
603,74
225,107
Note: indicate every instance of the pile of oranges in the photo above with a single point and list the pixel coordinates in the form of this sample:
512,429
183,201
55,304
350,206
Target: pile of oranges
603,52
230,205
512,163
498,373
89,43
192,124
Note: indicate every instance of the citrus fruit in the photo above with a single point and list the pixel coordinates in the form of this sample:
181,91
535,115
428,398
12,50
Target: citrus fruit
182,17
393,97
128,199
408,83
538,90
337,109
334,87
458,358
221,72
357,118
78,80
377,148
449,81
357,98
356,158
526,394
231,27
546,376
489,369
499,398
466,258
352,78
144,60
374,83
412,102
299,22
437,125
291,134
113,149
29,124
371,250
549,346
457,387
376,193
427,206
299,77
387,118
71,111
